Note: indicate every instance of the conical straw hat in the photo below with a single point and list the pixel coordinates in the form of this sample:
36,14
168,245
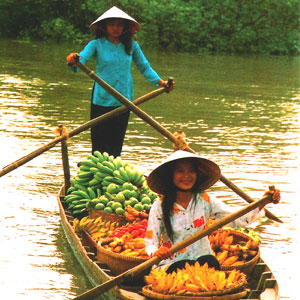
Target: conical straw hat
210,172
115,12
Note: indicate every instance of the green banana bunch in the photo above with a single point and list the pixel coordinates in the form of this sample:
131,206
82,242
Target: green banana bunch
102,175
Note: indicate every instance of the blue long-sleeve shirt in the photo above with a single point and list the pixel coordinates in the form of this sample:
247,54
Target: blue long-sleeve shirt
113,65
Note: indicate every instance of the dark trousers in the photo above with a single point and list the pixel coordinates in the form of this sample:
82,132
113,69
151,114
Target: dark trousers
209,259
108,136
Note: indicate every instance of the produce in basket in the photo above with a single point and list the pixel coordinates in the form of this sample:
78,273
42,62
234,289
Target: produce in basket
97,228
128,240
134,230
195,279
231,251
109,184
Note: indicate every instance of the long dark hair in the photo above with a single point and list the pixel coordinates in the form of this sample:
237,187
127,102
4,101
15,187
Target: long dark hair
126,38
169,196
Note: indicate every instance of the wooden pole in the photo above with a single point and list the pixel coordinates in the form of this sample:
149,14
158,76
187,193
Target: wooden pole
65,158
104,287
143,115
14,165
139,112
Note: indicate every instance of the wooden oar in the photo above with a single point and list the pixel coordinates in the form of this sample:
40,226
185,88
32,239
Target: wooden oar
104,287
165,132
143,115
14,165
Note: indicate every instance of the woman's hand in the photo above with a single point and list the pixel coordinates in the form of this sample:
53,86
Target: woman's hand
165,84
275,193
72,59
163,253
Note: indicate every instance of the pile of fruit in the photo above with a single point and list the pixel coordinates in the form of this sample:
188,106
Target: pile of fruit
97,228
126,245
193,279
134,230
109,184
131,214
128,240
230,253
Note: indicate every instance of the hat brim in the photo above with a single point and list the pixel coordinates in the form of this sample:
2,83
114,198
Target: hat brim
116,13
210,172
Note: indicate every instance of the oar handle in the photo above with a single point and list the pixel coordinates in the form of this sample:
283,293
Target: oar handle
170,83
139,112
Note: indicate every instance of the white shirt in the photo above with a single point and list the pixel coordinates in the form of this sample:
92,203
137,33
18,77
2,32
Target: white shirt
186,222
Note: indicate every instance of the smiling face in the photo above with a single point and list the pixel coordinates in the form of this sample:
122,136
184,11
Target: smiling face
114,28
185,175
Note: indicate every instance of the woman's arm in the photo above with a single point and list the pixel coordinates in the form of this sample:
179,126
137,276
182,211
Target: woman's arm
143,65
85,55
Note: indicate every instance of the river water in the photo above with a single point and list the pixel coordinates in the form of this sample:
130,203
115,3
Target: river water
240,111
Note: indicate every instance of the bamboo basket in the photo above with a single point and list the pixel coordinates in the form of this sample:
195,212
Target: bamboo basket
118,263
236,292
152,295
248,266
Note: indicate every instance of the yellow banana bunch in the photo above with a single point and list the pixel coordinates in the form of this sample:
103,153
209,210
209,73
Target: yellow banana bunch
103,229
219,238
97,228
76,225
230,252
193,279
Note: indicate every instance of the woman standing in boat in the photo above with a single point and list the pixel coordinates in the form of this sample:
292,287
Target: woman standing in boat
185,208
114,50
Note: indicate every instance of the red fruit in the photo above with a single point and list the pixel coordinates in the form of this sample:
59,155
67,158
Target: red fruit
135,233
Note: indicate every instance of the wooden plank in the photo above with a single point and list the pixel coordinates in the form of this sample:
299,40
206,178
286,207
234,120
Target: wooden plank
263,278
270,283
95,275
258,270
254,294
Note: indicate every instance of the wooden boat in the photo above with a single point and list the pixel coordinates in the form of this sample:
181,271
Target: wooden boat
261,282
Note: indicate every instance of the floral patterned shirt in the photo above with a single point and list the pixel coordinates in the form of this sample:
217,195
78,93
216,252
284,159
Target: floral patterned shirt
186,222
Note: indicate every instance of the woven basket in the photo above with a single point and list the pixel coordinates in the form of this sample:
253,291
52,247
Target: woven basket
94,214
248,266
236,288
118,263
147,291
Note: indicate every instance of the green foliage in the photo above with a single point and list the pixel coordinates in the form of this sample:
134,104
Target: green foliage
219,26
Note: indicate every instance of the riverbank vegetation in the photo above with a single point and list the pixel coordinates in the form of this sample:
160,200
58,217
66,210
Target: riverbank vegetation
205,26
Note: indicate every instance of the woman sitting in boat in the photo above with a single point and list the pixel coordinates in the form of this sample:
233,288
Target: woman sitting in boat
185,208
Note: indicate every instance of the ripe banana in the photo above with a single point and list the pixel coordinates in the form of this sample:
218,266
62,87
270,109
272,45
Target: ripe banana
193,279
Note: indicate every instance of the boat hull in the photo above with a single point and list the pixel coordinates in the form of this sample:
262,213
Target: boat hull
81,248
